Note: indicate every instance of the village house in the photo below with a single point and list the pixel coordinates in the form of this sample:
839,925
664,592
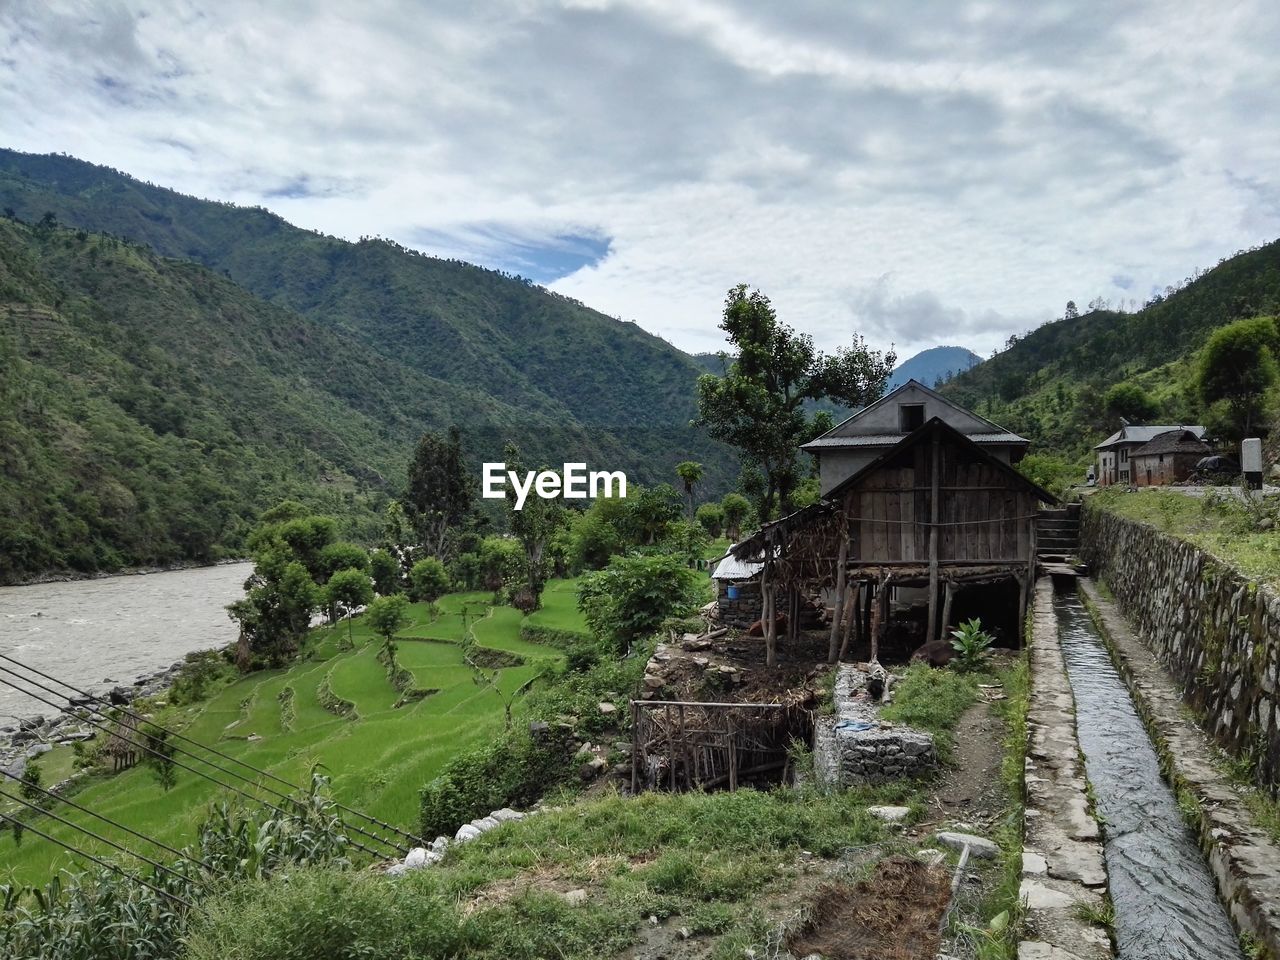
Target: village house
874,430
1115,453
1169,457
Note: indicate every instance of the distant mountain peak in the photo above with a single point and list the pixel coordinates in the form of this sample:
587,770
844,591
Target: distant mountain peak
932,365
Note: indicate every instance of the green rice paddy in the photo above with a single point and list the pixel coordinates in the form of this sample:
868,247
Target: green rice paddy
378,756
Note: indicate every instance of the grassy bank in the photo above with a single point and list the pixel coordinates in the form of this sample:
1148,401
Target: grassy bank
379,751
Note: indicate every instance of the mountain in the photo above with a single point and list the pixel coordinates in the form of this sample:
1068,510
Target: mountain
932,365
1050,385
157,391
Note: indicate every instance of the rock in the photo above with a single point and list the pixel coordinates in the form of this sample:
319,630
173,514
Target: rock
592,768
1040,897
576,898
440,844
485,823
606,708
27,724
978,846
1033,863
684,933
416,858
539,728
930,856
506,815
890,814
396,869
466,832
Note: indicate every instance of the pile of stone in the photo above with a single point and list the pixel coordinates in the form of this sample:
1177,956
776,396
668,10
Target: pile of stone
856,747
420,857
687,657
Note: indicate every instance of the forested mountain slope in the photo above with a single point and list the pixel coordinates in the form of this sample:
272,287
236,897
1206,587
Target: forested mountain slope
628,393
1051,384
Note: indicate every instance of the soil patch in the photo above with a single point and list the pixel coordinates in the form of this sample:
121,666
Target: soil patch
893,915
970,789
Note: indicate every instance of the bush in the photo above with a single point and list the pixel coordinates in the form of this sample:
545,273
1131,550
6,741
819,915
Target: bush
630,598
514,770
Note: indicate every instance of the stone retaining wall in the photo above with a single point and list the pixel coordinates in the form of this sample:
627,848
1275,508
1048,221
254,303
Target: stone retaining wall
743,611
1216,631
855,747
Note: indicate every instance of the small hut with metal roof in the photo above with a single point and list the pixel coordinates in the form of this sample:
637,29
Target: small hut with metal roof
937,526
738,596
1168,457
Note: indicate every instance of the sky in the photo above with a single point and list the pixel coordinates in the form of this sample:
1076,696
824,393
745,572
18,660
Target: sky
923,173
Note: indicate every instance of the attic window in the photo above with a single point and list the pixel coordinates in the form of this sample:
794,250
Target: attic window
910,416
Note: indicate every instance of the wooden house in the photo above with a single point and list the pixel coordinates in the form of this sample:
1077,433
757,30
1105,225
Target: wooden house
876,429
936,526
1169,457
1116,452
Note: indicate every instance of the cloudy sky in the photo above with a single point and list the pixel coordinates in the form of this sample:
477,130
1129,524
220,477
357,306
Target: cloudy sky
922,173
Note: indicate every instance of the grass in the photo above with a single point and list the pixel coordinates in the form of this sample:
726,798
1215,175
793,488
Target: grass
1219,524
378,758
933,700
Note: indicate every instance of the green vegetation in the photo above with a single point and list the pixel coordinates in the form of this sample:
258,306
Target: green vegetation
628,599
1237,367
1222,525
933,700
971,644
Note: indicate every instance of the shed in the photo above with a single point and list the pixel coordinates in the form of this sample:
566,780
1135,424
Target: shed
1169,457
935,516
738,596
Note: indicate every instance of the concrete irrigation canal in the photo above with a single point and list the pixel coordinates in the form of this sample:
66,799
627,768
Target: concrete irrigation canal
1166,904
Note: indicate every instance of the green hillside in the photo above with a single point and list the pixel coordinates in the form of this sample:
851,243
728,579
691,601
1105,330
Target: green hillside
625,396
1050,385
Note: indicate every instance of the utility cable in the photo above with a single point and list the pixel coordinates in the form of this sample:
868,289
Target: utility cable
218,753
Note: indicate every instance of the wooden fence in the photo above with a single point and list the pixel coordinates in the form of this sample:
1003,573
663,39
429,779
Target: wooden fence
690,745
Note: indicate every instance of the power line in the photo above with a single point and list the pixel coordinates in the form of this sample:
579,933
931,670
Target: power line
98,860
166,759
218,753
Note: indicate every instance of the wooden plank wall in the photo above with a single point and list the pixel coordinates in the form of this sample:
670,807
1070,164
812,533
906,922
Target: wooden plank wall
970,490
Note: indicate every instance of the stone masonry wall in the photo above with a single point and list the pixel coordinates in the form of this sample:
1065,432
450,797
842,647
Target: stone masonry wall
1216,631
743,611
855,747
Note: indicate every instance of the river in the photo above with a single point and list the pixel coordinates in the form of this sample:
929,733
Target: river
97,633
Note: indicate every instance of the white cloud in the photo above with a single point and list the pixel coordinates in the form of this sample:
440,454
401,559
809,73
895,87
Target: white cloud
953,172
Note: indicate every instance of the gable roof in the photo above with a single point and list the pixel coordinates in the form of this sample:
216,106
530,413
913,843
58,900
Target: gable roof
844,433
1172,441
731,568
1133,433
944,430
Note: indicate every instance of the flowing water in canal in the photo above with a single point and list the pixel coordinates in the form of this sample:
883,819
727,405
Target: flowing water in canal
1166,905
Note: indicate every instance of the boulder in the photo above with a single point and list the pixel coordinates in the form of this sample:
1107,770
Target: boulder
485,823
506,815
416,858
978,846
466,832
890,814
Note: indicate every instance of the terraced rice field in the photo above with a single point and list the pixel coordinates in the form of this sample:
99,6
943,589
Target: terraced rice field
379,755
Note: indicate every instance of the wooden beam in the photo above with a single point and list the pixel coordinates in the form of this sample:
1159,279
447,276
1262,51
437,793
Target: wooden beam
853,615
934,481
837,609
946,608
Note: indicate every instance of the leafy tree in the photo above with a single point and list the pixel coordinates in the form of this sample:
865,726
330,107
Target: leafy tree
386,616
597,533
690,474
160,756
737,509
341,556
758,406
428,582
441,491
533,526
685,539
628,600
385,570
711,517
349,589
650,511
276,611
1072,312
500,561
1130,401
1237,365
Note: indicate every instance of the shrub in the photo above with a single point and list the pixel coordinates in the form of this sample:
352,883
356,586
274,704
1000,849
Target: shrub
632,596
428,582
970,643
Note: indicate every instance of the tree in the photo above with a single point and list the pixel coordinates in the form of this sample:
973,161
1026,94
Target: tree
428,582
628,600
350,589
758,406
1130,401
276,611
341,556
1072,312
1237,365
736,509
650,511
532,526
386,616
690,474
441,491
385,570
711,517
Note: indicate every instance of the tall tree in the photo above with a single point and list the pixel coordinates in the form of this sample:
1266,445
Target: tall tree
1238,365
736,509
533,526
758,406
690,474
441,491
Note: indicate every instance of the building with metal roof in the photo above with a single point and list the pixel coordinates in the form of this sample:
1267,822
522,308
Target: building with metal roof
1115,452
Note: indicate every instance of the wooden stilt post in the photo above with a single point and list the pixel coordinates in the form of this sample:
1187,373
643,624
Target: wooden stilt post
882,609
933,540
770,628
1023,591
854,613
837,608
946,608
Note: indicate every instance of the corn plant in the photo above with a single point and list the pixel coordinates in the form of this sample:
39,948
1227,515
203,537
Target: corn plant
970,643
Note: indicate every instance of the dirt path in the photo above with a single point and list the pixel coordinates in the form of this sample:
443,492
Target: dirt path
970,790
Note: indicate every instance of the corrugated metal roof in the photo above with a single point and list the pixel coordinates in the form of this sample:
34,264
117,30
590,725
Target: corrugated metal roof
1143,434
890,439
731,568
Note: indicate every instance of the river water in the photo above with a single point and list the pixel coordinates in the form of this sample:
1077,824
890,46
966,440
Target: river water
1166,903
97,633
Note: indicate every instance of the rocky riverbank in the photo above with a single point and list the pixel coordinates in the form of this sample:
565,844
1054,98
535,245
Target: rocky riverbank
75,576
37,734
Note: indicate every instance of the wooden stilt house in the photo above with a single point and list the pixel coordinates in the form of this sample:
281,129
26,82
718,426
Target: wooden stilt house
934,517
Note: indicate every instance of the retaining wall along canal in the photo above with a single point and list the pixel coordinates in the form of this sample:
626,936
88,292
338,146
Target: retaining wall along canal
1216,631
